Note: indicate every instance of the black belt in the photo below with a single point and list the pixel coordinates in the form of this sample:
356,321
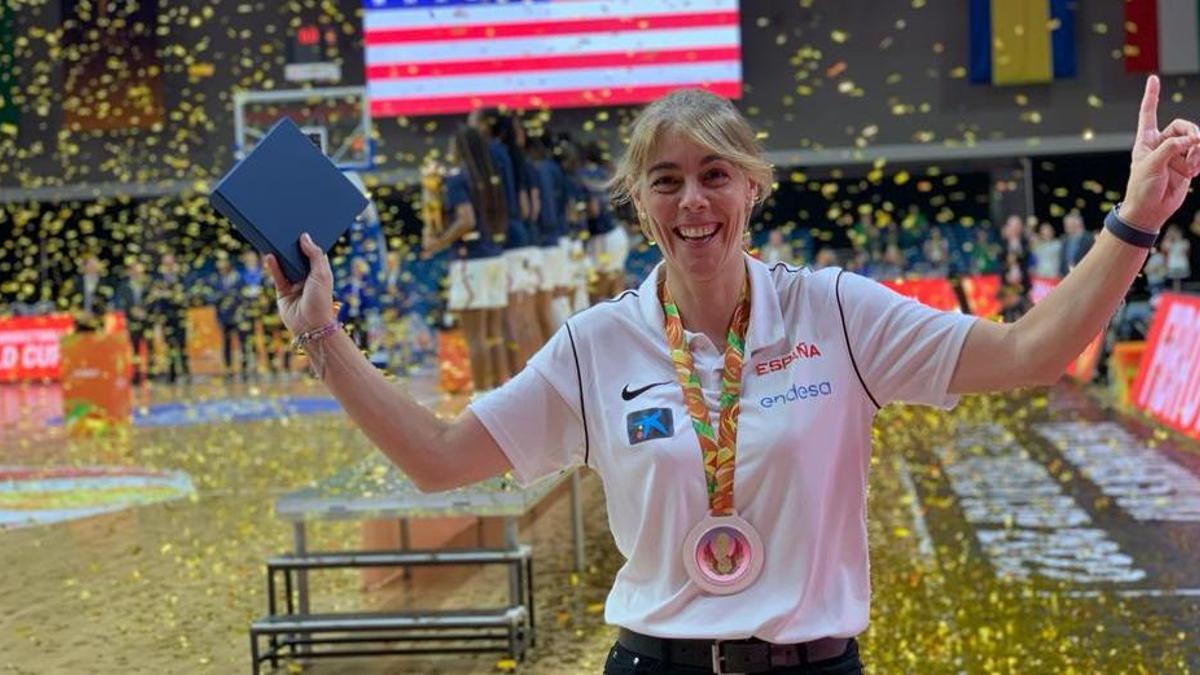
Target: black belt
732,656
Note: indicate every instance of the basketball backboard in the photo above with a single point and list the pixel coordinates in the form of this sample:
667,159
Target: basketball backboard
336,118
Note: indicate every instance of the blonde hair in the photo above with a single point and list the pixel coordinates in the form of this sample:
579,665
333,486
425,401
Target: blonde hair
706,119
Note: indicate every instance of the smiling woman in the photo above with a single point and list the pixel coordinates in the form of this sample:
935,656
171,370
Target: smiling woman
694,171
772,576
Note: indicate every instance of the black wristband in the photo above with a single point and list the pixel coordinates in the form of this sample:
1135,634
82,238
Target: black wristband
1127,233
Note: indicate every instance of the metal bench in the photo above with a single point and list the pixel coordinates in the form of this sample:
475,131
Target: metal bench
294,634
506,630
404,558
373,489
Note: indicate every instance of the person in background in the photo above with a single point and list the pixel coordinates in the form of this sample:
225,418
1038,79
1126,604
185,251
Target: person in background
1032,232
1015,284
860,262
937,253
564,156
1014,268
891,266
579,271
1179,250
984,253
1047,252
391,303
168,303
1076,243
279,353
254,299
508,159
1013,234
776,249
1156,271
914,230
132,298
392,299
358,298
91,293
826,257
608,242
889,235
552,192
477,220
1016,254
538,332
863,233
477,216
227,292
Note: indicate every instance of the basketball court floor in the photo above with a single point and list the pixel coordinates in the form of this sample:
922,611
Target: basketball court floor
1030,533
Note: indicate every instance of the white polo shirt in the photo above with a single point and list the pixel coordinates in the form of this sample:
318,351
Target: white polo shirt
824,350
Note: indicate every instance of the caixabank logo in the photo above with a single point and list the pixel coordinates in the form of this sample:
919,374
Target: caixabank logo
649,424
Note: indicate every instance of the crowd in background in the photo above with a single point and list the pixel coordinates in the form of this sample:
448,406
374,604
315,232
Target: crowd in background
519,226
517,223
1020,251
155,303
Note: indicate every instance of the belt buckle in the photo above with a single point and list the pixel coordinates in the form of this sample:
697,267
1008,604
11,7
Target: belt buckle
717,659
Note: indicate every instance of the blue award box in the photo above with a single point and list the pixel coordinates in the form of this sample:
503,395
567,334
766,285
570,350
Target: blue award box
283,188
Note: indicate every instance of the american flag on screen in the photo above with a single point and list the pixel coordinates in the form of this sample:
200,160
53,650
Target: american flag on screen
427,57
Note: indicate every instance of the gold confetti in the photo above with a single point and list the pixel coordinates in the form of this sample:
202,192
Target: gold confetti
101,582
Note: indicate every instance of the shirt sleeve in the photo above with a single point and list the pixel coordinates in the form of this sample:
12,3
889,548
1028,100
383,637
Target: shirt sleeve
504,168
456,192
902,350
536,417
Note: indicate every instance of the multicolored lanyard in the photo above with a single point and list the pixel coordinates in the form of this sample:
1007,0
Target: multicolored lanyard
719,449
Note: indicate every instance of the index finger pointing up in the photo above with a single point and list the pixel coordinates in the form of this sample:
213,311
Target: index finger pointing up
1148,114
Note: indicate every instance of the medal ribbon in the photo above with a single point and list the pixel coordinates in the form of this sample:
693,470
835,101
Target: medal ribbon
718,448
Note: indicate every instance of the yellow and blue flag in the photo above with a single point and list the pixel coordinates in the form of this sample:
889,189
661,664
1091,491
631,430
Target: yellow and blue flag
1021,41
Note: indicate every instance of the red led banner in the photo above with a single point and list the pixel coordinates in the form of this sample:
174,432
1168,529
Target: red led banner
29,346
1168,382
937,293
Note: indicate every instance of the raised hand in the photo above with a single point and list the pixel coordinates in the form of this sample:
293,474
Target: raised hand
1163,165
308,304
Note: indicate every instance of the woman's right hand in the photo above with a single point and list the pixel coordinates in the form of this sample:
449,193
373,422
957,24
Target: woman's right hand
306,305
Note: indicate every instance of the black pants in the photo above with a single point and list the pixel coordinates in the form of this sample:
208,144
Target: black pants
228,331
138,340
622,661
175,336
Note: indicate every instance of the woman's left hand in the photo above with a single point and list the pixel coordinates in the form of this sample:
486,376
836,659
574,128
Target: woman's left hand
1163,165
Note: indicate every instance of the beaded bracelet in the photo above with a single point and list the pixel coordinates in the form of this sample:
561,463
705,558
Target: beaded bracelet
302,340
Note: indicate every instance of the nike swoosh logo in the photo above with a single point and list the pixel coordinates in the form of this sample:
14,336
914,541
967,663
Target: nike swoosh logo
630,395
